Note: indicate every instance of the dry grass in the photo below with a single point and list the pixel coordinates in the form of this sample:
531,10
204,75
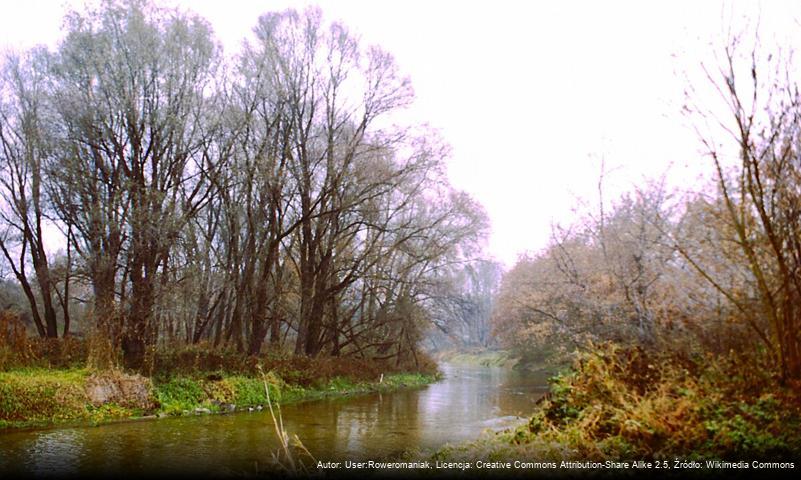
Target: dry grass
18,350
627,403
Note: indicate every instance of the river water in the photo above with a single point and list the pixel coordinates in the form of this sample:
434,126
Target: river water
458,408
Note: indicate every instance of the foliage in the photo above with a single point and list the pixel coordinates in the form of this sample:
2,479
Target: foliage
698,297
198,360
758,194
179,395
610,276
108,412
18,350
196,376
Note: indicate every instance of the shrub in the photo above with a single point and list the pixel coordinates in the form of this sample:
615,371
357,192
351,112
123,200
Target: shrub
624,403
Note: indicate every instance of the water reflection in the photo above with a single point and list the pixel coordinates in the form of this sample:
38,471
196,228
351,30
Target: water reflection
467,401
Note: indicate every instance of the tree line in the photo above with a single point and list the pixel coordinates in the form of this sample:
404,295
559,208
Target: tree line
716,270
268,196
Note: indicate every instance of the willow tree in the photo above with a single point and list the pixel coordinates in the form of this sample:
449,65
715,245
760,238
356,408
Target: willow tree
231,200
131,83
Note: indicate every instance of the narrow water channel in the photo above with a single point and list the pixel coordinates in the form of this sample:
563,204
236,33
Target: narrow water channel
459,407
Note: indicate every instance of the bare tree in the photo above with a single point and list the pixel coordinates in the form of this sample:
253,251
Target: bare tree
760,191
24,150
131,84
204,202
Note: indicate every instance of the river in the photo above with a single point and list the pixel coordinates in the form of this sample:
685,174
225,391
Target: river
462,405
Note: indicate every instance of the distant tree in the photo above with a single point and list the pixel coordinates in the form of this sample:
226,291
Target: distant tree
605,278
464,306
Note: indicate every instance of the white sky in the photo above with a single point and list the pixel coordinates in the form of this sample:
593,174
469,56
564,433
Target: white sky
528,94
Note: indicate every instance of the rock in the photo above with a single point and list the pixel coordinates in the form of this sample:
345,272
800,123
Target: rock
133,391
230,408
202,410
101,390
162,415
259,408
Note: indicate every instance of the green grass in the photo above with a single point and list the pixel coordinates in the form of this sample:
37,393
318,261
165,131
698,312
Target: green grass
38,396
179,394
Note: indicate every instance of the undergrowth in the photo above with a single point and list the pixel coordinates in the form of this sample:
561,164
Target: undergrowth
618,403
39,396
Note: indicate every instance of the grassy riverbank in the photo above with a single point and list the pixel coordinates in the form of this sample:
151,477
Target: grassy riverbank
57,387
40,397
624,404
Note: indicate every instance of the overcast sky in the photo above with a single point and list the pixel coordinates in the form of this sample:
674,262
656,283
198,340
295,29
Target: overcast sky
529,95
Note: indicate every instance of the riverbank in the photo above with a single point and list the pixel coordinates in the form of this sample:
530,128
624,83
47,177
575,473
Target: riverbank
626,404
541,361
39,398
478,358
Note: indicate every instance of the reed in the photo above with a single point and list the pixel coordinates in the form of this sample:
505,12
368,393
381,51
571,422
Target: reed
290,456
